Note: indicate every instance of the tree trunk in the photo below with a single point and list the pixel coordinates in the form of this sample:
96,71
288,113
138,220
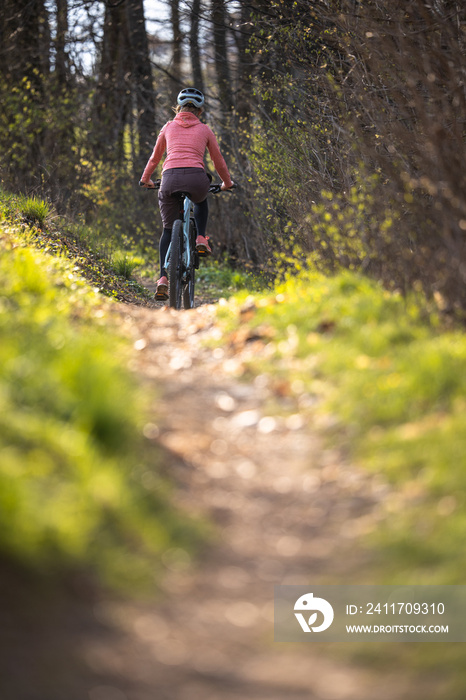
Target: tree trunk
176,43
245,66
222,68
144,94
113,93
194,46
61,69
25,48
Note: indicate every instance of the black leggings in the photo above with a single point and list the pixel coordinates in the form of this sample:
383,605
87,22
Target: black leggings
201,214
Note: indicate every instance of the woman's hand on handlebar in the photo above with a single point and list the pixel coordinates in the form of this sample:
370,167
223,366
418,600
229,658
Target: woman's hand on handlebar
227,189
148,185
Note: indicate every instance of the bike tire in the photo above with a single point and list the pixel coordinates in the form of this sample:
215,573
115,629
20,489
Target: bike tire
175,266
188,289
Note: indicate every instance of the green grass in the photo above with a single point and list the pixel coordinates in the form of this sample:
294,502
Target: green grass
124,263
35,211
395,381
218,279
32,211
78,485
215,279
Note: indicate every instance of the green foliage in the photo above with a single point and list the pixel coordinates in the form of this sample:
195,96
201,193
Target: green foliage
101,262
35,211
39,141
396,381
21,123
31,210
292,181
76,487
221,280
124,264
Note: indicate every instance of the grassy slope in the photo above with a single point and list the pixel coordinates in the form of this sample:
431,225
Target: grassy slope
112,270
98,260
73,491
392,377
395,380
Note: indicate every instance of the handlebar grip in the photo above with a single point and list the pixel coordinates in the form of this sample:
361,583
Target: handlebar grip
157,184
216,188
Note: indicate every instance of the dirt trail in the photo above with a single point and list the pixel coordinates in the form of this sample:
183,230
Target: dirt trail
285,509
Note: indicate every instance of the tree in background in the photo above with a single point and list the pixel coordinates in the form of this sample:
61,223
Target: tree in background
343,121
50,123
25,67
196,65
61,58
125,95
367,111
408,77
177,54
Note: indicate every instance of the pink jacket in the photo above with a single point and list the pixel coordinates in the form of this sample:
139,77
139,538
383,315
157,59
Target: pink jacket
185,140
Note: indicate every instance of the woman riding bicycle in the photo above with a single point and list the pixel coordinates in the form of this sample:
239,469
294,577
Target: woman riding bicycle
185,140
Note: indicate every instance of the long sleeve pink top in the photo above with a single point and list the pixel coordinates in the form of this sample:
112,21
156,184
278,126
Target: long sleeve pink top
185,140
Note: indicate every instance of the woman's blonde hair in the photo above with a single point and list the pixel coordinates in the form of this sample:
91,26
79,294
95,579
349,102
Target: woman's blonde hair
188,108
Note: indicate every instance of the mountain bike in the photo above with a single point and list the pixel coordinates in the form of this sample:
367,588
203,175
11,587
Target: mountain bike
182,258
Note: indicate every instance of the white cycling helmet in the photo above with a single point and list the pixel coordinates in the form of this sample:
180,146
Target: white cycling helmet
190,95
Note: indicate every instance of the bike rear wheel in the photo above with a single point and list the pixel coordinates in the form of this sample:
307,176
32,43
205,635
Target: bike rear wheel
188,288
175,266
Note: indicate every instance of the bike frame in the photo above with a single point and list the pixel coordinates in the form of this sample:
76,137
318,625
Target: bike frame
186,260
187,207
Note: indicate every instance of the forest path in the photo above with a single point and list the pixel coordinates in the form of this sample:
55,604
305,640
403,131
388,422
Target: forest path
285,509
